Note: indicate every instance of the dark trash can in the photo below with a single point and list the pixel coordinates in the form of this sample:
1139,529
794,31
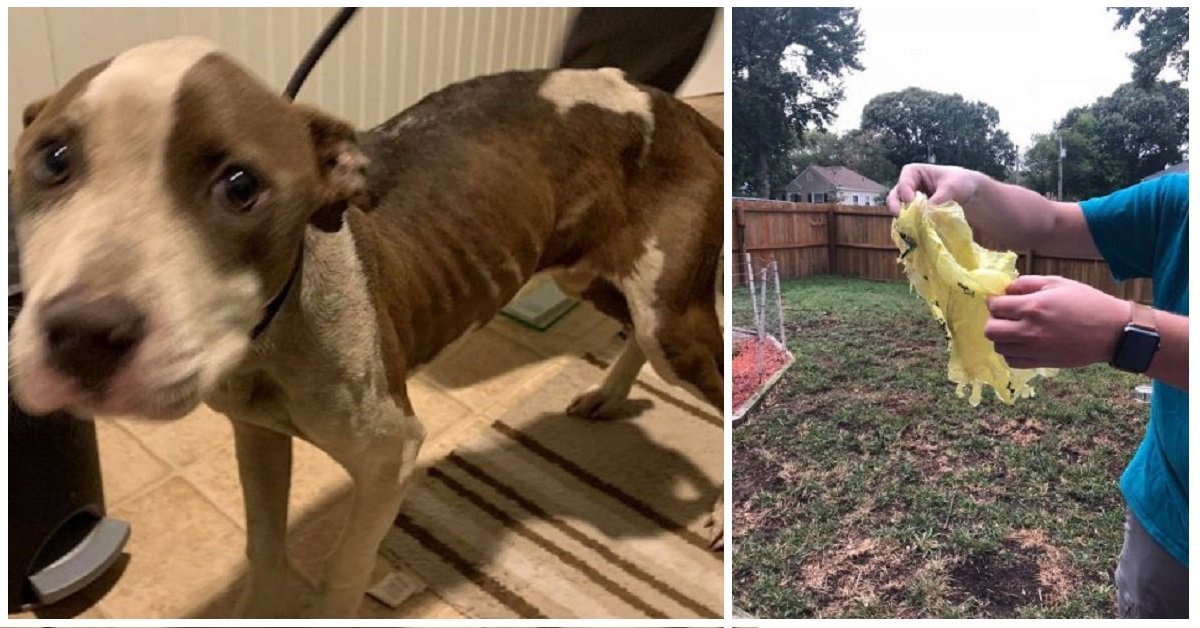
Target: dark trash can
59,539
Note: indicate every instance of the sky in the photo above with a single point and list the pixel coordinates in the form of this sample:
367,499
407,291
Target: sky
1031,63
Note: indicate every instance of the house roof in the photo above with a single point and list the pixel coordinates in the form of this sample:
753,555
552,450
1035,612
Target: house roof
843,177
1180,168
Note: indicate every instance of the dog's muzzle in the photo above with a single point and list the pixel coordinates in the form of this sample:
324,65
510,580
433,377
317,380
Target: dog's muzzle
89,337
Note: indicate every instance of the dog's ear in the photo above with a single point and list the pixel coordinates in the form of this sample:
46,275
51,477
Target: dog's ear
32,110
73,87
343,168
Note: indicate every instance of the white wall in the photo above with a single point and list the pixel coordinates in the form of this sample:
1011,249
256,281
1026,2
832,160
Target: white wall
385,59
708,75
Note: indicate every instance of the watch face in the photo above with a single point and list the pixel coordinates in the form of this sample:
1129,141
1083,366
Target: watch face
1136,349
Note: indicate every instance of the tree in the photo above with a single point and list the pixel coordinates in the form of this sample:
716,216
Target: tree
1147,129
1163,35
914,124
787,67
1114,142
1089,171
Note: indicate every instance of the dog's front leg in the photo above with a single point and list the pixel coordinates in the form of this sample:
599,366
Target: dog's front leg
381,472
273,588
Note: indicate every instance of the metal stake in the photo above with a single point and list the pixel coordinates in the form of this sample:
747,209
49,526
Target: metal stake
753,293
779,303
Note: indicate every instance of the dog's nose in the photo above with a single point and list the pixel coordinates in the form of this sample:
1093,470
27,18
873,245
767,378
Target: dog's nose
90,336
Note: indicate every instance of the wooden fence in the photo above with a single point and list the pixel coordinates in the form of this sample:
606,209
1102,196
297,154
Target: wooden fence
827,239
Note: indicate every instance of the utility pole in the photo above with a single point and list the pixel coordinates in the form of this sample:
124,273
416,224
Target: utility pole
1062,153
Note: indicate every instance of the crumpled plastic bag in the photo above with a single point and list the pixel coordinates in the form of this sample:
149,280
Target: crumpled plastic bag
955,276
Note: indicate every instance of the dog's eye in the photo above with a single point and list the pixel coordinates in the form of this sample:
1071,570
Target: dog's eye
53,164
238,189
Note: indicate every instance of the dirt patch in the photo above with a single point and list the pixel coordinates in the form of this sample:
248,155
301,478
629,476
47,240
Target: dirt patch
933,460
747,520
929,450
807,405
754,473
755,361
1000,583
1020,431
1055,574
1026,570
857,572
761,472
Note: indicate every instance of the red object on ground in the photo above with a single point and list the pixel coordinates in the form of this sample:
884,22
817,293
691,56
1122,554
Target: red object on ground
747,378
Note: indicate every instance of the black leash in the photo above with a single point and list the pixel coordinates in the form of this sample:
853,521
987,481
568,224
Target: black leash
306,66
318,48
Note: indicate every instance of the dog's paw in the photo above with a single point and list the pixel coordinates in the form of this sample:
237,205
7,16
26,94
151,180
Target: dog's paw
716,525
596,403
334,603
275,596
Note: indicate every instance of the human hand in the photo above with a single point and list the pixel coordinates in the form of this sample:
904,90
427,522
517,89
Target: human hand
942,184
1054,322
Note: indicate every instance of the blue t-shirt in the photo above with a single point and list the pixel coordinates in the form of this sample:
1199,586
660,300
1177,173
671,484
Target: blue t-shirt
1142,231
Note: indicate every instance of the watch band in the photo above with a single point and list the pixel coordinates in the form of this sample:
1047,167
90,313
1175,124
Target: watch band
1138,342
1142,315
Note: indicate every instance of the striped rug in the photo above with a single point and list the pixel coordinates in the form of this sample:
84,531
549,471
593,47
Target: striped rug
546,516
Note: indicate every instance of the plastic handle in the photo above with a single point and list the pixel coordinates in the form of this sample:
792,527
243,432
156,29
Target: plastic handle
83,564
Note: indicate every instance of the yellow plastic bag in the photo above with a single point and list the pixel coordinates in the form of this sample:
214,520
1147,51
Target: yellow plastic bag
955,276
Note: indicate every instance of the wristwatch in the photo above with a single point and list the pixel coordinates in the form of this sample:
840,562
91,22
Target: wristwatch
1139,340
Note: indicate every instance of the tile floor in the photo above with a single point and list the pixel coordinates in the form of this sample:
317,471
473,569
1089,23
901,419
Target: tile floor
176,483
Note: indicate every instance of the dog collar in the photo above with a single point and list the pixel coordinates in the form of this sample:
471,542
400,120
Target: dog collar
276,303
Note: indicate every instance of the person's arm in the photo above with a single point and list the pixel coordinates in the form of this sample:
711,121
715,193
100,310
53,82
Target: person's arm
1017,218
653,45
1170,364
1056,322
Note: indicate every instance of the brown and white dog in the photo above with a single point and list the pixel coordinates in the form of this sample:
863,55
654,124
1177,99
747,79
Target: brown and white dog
169,208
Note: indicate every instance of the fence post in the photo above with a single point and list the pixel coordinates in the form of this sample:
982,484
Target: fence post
739,218
1029,255
831,237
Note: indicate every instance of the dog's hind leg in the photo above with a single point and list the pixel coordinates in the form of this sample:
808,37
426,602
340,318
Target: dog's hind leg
273,588
685,349
381,467
690,347
682,339
602,401
674,318
716,523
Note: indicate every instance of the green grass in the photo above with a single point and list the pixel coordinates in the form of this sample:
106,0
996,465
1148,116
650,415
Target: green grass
864,487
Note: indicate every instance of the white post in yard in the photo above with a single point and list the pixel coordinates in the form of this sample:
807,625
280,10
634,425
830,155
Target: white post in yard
779,303
762,336
753,294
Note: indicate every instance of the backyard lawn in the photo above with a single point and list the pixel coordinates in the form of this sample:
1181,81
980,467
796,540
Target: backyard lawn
864,487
